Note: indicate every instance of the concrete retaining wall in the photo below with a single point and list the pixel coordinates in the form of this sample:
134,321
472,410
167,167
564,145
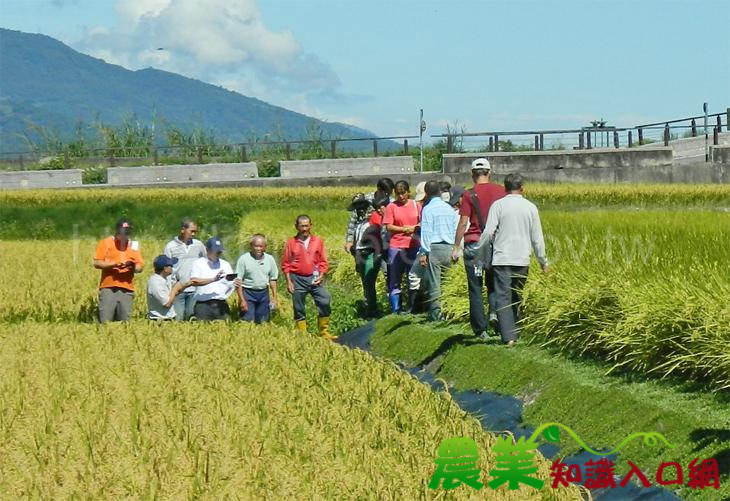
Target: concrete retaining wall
692,149
300,182
181,173
720,154
535,161
683,174
338,167
30,179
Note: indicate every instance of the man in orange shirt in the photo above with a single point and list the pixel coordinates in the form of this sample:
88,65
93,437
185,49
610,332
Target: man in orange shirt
305,265
119,259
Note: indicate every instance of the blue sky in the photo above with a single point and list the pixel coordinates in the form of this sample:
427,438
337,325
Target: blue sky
486,65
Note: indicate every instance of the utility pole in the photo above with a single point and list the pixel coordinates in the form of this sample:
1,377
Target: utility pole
422,129
707,149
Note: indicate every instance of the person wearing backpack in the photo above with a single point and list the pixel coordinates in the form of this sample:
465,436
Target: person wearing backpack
368,244
475,205
384,185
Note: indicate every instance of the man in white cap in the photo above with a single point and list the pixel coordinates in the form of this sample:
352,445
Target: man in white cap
213,278
475,205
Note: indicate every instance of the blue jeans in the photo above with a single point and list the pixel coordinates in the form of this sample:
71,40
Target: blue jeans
184,304
259,305
399,262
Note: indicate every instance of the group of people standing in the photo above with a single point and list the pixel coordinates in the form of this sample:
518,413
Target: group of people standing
192,281
414,240
422,238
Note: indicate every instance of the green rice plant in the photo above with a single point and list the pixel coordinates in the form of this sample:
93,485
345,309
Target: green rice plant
643,292
657,308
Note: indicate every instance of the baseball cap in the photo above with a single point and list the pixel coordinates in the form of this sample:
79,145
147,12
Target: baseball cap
481,163
420,191
162,260
455,195
214,244
124,227
358,202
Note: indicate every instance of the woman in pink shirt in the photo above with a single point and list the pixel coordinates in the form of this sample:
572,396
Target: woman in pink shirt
401,219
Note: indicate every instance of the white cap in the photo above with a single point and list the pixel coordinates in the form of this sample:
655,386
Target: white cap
420,191
481,163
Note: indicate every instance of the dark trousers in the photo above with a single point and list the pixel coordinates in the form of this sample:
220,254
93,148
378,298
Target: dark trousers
399,262
215,309
509,281
302,287
478,275
259,305
367,265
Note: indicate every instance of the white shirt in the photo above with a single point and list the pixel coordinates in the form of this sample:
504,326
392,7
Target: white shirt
205,269
514,226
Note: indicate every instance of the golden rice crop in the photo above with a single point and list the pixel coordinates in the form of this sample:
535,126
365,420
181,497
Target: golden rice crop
173,411
553,194
55,280
282,196
640,195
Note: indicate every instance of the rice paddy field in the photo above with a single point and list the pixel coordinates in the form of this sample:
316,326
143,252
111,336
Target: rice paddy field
639,288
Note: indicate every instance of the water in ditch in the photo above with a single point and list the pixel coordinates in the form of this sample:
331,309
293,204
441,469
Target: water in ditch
498,413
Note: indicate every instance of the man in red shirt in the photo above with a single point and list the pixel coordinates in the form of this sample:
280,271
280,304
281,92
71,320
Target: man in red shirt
305,265
475,204
119,259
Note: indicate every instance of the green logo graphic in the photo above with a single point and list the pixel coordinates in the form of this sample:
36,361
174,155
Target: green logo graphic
456,463
551,432
515,468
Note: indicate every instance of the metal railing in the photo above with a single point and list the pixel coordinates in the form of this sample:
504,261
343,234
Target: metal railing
586,137
592,137
204,153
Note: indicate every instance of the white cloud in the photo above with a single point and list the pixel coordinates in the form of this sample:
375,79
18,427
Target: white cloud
214,41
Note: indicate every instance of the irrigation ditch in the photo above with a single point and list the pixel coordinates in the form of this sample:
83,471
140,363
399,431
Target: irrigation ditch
503,415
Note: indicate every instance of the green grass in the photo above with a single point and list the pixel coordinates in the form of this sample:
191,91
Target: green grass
603,410
157,212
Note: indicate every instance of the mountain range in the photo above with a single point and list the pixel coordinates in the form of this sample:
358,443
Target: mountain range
47,83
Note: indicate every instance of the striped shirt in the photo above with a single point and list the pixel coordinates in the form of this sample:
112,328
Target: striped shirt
186,255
